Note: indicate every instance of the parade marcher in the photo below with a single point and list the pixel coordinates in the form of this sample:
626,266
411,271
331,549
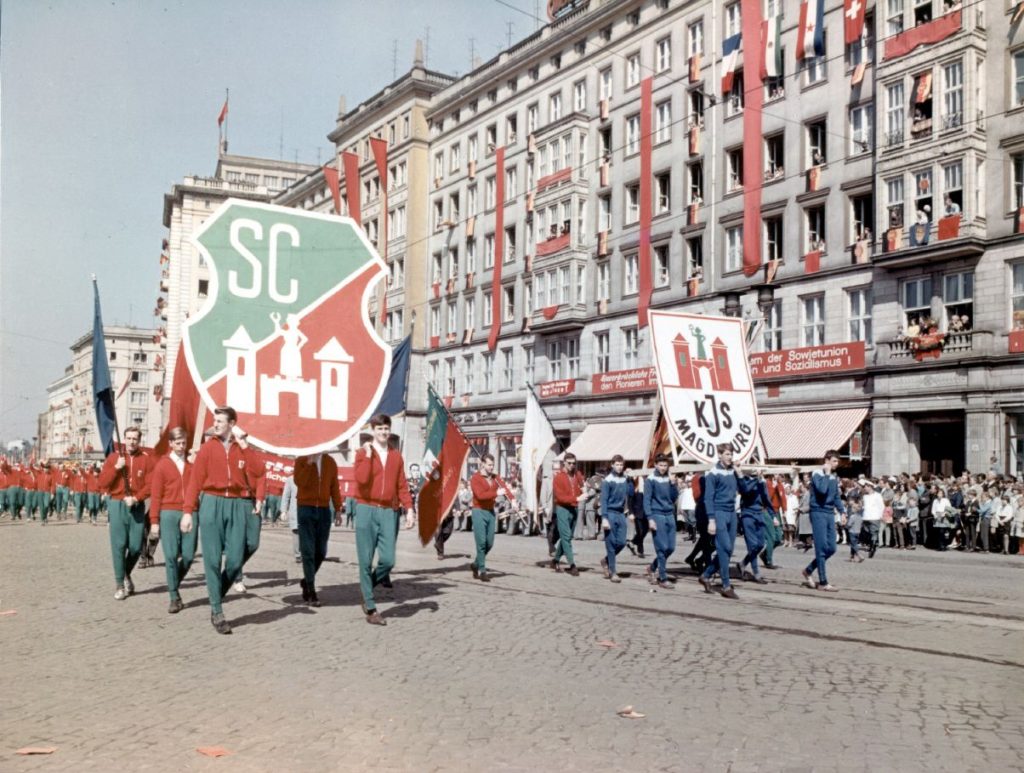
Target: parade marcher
381,486
774,520
290,511
92,494
703,549
275,488
660,495
44,491
78,484
29,480
3,486
720,487
178,533
126,479
485,487
316,482
616,492
754,503
824,502
15,491
225,472
444,531
568,494
640,523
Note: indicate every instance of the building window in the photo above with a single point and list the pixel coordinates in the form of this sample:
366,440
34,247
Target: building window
734,161
572,358
633,134
554,106
435,321
661,266
528,364
630,347
507,369
490,192
455,157
488,251
953,188
917,300
859,301
922,12
894,17
508,305
861,51
816,68
774,157
733,248
663,121
632,204
471,256
863,210
580,271
815,217
958,301
453,318
449,376
468,373
471,313
1017,181
632,70
563,285
1017,297
812,323
511,182
663,193
953,95
695,38
579,96
817,143
861,129
555,369
895,114
602,352
604,212
695,178
921,123
1018,78
491,138
488,309
604,282
773,238
734,101
664,54
631,274
733,22
923,204
488,372
772,332
472,148
511,129
894,201
605,83
775,86
694,257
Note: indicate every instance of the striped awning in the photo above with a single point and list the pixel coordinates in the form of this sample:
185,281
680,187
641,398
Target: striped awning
600,442
808,434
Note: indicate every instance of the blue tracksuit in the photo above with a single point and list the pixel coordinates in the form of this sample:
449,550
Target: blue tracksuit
660,495
720,486
825,501
754,501
616,492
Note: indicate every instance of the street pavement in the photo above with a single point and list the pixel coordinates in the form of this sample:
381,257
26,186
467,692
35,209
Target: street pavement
917,664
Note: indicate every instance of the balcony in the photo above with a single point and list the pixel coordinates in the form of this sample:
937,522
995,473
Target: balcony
939,346
559,318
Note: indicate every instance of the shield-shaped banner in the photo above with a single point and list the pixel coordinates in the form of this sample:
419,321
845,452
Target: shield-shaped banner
285,337
705,383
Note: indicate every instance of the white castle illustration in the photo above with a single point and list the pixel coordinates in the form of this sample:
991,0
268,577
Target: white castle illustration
333,384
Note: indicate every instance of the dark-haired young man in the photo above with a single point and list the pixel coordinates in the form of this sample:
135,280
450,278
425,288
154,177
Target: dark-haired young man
381,486
825,500
484,485
568,493
720,486
660,495
616,492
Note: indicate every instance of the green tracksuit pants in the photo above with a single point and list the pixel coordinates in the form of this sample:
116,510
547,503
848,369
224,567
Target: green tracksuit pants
179,549
483,535
772,534
376,532
222,531
565,518
127,526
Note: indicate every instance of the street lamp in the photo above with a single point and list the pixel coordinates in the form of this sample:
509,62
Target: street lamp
765,296
733,306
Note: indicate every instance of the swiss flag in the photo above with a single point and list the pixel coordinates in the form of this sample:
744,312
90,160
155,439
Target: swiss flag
853,17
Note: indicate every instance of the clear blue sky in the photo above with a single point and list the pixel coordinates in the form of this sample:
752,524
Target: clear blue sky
104,105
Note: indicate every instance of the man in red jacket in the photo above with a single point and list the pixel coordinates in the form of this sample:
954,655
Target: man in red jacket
44,491
568,493
380,487
125,478
484,485
316,479
226,473
170,480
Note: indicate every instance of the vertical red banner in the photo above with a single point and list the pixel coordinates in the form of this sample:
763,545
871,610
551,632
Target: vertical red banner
334,184
646,200
753,145
379,147
499,246
350,162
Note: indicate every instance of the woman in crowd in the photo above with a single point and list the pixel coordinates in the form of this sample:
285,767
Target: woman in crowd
941,511
899,515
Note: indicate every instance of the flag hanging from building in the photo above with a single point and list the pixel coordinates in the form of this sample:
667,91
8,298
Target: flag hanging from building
730,58
499,247
223,114
771,38
1018,14
393,399
753,152
853,14
644,279
334,185
102,388
445,456
350,164
183,410
810,38
538,437
379,147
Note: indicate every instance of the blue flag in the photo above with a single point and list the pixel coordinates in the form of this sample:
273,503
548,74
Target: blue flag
393,399
102,389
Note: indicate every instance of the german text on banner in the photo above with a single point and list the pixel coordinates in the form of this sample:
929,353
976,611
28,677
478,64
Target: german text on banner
704,383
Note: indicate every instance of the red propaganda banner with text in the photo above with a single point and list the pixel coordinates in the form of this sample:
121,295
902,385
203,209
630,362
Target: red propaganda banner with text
620,381
548,389
831,358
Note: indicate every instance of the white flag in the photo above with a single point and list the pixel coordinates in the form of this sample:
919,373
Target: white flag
538,437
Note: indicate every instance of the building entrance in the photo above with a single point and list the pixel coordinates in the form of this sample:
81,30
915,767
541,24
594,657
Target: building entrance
941,445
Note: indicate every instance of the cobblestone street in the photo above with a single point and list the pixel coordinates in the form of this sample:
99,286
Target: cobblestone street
918,663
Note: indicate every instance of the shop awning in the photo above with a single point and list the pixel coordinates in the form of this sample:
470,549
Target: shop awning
808,434
600,442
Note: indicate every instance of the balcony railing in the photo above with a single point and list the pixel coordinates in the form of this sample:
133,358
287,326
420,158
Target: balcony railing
940,345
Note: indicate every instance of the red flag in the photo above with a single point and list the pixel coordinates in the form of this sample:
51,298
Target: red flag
753,147
949,227
334,184
379,147
499,246
350,162
812,262
438,494
184,408
223,114
646,200
923,34
853,11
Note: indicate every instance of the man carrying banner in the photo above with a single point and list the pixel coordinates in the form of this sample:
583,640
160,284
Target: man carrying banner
381,485
484,485
568,494
660,495
703,549
171,478
720,486
316,481
225,473
616,492
126,480
825,500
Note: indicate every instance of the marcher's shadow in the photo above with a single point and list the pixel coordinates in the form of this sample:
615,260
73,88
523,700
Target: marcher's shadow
406,589
408,610
270,615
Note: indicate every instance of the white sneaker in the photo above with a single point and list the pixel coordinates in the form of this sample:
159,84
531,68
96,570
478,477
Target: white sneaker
239,587
120,594
129,586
